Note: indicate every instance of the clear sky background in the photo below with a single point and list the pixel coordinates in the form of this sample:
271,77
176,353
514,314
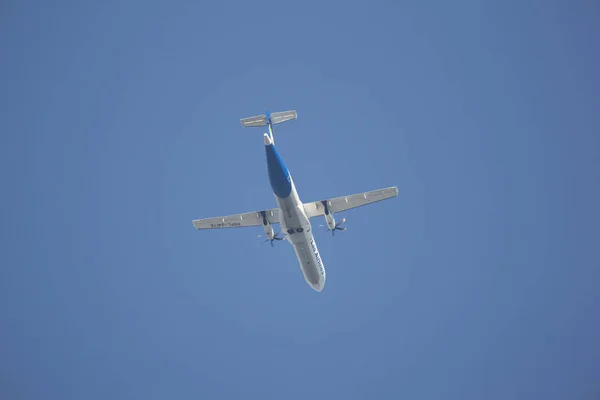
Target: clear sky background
119,124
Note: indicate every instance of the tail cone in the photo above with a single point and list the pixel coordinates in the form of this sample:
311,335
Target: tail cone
268,140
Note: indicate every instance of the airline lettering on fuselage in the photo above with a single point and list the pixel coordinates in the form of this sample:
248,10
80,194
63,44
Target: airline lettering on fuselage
319,262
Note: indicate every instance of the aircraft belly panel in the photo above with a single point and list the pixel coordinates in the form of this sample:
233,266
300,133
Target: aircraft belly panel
307,262
310,262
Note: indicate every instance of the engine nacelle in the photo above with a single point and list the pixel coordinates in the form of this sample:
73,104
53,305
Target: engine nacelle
269,232
330,219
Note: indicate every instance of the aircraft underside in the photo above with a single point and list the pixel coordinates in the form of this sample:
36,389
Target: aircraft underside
291,214
297,230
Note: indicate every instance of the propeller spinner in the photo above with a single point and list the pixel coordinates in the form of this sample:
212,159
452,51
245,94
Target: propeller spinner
338,227
275,237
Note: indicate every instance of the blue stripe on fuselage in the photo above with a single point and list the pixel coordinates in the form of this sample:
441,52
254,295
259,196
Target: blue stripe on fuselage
279,176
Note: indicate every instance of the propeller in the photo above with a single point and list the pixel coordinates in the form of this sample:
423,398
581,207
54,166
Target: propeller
338,227
275,237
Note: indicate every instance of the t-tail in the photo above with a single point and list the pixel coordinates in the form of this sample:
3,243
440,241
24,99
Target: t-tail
269,119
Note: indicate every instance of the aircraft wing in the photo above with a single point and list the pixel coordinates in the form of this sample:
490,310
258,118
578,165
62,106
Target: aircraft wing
255,218
343,203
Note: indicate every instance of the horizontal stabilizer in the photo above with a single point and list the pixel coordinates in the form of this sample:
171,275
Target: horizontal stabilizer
259,120
283,116
276,118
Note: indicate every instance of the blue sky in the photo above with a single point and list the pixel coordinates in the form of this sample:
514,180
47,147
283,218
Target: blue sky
120,124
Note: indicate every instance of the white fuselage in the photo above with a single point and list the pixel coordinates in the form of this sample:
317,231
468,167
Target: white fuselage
296,227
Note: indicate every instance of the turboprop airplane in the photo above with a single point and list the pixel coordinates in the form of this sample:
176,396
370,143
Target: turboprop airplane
291,213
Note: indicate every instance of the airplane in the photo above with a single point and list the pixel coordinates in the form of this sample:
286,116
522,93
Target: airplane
291,213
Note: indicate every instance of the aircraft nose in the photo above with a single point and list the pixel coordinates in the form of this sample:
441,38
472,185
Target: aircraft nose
319,286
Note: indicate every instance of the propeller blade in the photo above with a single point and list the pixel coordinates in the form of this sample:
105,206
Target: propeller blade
341,222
